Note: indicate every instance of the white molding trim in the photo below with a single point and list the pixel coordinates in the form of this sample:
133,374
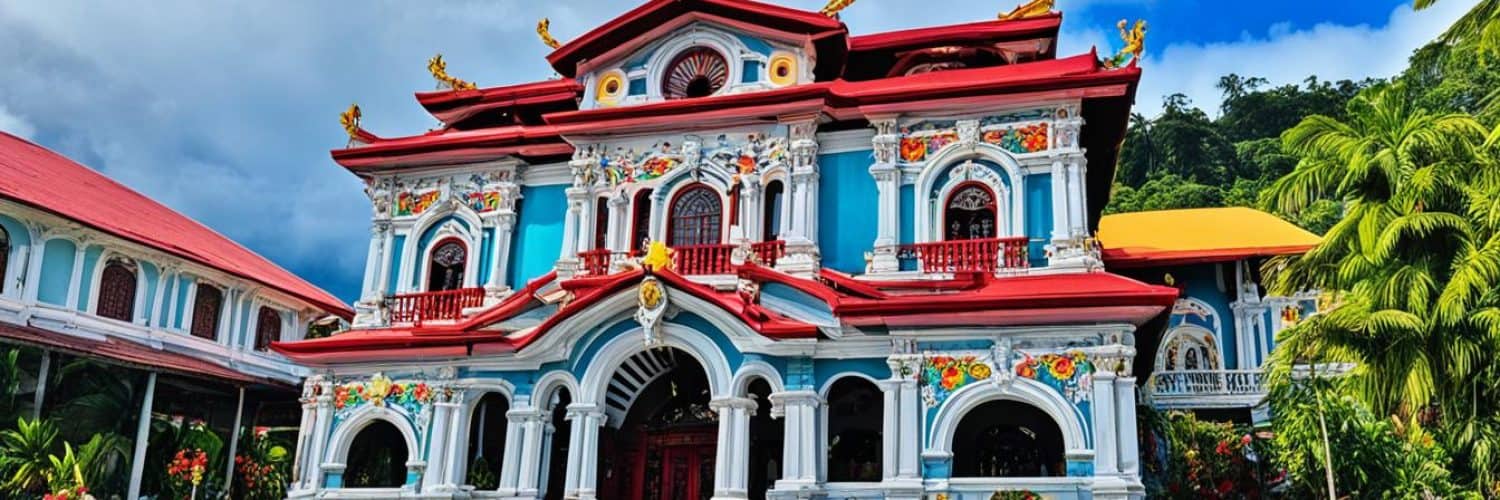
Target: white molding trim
847,141
952,412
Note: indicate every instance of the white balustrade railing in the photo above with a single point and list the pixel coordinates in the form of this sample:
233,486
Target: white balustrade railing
1208,383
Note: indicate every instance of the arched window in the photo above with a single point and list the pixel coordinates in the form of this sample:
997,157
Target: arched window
116,298
697,215
267,328
766,435
970,213
487,441
206,305
696,72
1007,439
1189,349
774,196
601,224
377,457
856,416
445,268
4,256
640,221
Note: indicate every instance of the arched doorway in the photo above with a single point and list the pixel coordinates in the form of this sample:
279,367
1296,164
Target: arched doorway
856,418
771,219
1005,438
377,457
970,213
555,447
766,441
445,267
487,427
697,216
1188,348
661,438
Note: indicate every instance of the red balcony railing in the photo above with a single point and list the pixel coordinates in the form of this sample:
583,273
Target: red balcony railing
984,255
596,262
769,252
429,306
703,259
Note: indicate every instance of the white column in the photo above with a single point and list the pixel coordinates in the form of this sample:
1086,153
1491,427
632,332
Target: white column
1078,225
161,293
322,423
572,228
891,445
615,237
1105,463
437,445
888,217
1060,196
531,452
801,444
458,444
510,464
75,282
576,442
234,439
721,460
505,227
142,433
303,460
33,281
372,264
731,467
544,479
42,376
911,433
1130,460
387,264
589,456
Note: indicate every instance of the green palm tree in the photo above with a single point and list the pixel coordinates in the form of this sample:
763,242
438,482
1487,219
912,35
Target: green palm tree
25,455
1414,264
1481,24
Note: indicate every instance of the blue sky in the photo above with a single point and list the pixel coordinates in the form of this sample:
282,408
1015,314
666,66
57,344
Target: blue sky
226,110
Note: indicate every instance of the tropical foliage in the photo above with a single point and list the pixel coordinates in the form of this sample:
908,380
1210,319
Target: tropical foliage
1189,458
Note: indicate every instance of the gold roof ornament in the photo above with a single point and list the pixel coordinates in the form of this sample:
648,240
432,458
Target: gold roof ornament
834,7
1029,10
658,257
439,69
1135,45
544,30
350,120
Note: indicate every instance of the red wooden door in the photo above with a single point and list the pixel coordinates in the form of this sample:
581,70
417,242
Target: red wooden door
672,465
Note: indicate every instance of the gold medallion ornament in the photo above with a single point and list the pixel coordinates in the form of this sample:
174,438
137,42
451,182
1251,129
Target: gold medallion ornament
544,30
782,69
651,301
439,69
1029,10
834,7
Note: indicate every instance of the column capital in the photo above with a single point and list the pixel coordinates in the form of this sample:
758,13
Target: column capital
796,398
733,402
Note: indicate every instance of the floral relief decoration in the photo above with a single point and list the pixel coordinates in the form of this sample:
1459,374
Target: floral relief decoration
382,391
943,375
1069,373
480,192
1010,132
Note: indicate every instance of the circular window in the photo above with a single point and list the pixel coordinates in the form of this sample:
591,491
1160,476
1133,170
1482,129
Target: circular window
696,72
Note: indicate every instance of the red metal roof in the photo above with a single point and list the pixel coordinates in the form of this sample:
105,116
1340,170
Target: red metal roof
454,106
1045,26
38,177
828,34
128,354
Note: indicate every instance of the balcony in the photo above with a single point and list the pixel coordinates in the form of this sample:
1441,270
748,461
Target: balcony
983,255
695,260
415,308
1206,388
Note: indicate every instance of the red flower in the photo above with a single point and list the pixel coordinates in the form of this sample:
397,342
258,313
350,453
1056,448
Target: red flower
1222,448
1225,487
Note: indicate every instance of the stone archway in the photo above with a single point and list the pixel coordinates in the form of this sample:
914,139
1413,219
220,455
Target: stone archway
660,434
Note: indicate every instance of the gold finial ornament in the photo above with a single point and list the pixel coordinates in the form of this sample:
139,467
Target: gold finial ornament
544,30
439,69
1135,44
350,120
834,7
1029,10
658,257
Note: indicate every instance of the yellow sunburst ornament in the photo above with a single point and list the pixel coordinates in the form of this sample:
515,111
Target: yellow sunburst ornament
439,69
1029,10
544,30
1135,44
658,257
834,7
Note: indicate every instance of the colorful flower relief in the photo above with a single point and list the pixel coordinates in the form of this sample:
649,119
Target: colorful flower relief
1070,373
381,391
753,153
626,165
924,139
941,376
477,192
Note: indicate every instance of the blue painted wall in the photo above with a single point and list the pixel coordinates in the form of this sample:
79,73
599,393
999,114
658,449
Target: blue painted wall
183,284
57,272
150,274
1201,282
86,287
168,292
847,214
539,232
398,245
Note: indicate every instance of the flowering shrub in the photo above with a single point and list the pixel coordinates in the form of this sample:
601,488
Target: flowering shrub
1192,458
186,468
262,470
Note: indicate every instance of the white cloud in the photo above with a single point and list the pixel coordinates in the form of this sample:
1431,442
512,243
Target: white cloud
14,124
1284,55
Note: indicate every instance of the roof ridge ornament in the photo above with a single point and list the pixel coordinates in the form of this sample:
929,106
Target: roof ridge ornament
1028,10
544,30
439,69
1135,45
358,136
834,7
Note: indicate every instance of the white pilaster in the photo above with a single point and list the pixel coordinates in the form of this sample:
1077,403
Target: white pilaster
732,465
887,175
801,444
1105,463
1060,196
583,451
1077,224
510,463
1130,460
437,445
528,468
33,282
505,226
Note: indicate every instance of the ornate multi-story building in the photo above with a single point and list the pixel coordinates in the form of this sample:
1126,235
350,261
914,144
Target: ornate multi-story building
735,252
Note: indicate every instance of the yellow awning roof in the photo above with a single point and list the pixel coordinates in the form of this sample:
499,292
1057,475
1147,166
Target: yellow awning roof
1198,235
